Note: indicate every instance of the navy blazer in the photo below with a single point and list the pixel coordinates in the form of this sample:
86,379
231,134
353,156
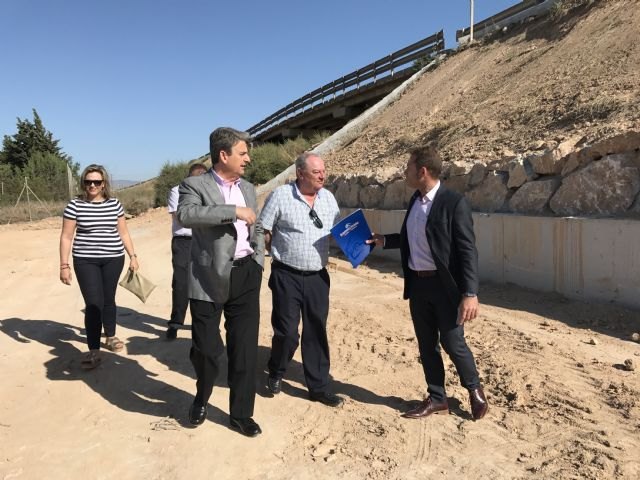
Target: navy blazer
452,241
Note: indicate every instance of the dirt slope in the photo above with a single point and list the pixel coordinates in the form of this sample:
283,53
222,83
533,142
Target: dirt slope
542,82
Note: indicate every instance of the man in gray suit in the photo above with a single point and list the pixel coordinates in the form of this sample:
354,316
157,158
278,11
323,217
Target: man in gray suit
225,273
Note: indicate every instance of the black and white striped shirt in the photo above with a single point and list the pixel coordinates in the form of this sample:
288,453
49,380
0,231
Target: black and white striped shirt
96,227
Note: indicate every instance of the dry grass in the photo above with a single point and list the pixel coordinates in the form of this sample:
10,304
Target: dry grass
562,7
139,198
25,212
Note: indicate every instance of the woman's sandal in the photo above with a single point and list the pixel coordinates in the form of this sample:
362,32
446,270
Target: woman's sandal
114,344
90,360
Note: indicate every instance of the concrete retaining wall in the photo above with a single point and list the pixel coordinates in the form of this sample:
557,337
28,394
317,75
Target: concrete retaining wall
582,258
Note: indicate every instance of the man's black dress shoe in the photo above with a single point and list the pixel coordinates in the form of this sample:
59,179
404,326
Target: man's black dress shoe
326,398
428,407
274,385
479,404
246,426
171,333
197,414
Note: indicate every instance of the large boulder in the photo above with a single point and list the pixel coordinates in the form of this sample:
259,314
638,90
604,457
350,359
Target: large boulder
548,163
396,195
579,159
634,210
347,193
520,172
500,165
533,197
371,196
457,183
477,174
491,194
625,142
456,167
605,187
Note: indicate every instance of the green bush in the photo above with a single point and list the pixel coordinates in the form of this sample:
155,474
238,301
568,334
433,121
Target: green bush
170,176
270,159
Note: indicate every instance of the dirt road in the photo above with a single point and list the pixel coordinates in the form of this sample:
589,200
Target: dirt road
564,404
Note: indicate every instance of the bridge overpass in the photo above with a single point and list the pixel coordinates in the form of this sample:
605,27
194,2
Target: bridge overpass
331,106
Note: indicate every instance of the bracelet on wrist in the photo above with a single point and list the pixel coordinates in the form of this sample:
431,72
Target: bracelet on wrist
64,267
133,255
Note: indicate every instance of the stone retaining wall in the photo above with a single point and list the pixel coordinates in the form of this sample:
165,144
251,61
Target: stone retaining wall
571,178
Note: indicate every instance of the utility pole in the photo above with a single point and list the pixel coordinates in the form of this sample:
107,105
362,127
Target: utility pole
471,28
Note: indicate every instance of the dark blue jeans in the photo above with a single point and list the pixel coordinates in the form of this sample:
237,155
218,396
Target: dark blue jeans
98,279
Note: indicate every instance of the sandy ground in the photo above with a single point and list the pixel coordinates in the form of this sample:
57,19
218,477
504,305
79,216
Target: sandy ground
563,402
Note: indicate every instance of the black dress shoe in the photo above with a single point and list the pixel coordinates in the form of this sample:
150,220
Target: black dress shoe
171,333
426,408
326,398
274,385
197,414
245,426
479,404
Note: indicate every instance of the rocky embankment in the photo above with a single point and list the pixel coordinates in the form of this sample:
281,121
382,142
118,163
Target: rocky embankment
572,178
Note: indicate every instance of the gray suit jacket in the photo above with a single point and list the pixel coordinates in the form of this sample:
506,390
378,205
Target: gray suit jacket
202,208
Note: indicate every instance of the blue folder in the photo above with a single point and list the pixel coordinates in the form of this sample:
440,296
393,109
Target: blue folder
350,234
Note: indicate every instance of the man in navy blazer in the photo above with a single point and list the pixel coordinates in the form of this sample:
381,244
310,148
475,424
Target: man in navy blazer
440,265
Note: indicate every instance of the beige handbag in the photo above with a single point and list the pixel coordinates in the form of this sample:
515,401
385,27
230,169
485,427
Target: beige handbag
137,284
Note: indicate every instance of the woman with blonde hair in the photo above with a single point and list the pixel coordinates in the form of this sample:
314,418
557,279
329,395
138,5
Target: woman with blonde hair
94,224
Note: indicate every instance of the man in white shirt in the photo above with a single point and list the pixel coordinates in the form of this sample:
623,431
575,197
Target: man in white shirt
180,253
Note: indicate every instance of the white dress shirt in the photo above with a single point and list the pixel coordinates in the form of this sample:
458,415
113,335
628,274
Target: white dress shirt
420,256
176,228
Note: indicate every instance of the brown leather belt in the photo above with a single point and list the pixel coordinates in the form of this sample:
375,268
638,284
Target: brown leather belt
425,273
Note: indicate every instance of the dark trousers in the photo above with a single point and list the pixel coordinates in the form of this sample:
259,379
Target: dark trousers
180,255
242,318
434,319
294,293
98,279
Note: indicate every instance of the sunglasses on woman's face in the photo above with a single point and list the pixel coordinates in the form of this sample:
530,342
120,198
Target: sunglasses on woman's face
315,218
97,183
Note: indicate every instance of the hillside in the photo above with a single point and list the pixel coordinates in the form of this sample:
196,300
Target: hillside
572,75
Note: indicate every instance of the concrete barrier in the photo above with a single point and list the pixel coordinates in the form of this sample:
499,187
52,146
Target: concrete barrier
591,259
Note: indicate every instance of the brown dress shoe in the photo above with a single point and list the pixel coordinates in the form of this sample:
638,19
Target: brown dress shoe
426,408
479,404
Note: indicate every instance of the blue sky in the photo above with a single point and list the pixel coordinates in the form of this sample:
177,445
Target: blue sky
132,84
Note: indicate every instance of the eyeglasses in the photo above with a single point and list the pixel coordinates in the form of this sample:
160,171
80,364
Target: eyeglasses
97,183
315,218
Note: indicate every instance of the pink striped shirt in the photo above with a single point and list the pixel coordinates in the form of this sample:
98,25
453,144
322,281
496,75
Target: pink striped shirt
233,196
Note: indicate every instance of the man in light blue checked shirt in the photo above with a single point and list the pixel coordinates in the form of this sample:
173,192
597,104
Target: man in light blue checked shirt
297,220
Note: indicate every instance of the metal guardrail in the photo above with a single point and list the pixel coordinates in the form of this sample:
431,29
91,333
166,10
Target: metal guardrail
364,77
510,15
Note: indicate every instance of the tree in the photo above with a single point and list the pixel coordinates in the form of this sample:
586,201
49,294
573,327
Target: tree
32,137
47,175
